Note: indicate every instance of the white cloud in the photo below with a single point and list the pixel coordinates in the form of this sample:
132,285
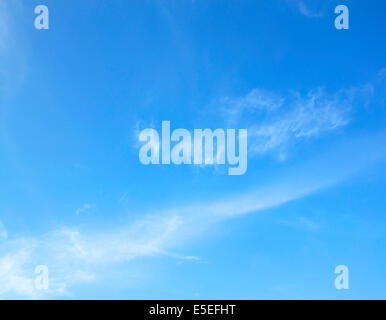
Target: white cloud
12,276
17,266
256,100
275,121
305,117
76,256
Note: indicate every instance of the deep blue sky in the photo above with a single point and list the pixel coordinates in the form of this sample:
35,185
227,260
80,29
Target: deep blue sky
74,196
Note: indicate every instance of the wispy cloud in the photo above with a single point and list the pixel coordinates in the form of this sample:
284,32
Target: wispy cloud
80,255
257,100
13,277
304,117
275,121
75,256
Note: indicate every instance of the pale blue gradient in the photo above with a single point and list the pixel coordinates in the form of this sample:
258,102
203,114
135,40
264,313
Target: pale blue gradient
75,197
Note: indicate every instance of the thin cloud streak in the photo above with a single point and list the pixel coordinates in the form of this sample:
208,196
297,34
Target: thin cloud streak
275,121
75,256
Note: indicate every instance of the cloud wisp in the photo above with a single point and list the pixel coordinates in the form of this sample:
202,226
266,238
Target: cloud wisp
276,121
77,255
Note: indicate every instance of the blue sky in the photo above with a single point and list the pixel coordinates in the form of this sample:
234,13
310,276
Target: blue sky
74,196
